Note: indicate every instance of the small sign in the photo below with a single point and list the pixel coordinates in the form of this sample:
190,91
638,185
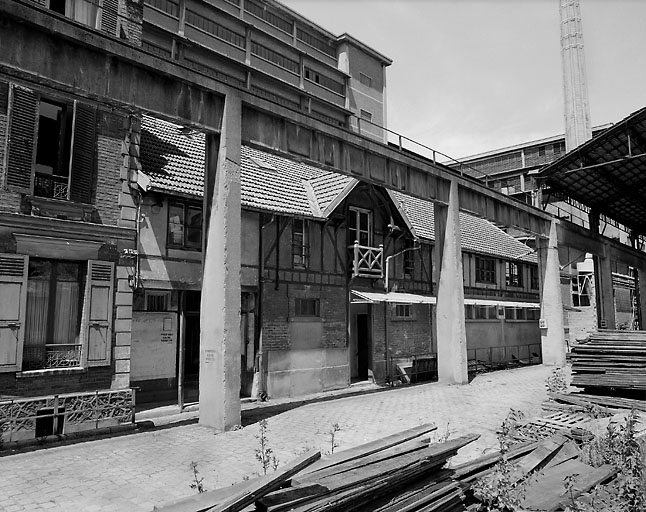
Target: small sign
168,324
542,323
209,356
603,324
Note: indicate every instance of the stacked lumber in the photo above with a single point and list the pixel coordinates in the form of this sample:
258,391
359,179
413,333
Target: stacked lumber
610,359
542,467
608,404
401,472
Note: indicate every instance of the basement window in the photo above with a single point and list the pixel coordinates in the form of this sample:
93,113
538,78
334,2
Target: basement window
307,307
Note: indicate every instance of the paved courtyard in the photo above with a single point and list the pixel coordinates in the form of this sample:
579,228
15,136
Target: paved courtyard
137,471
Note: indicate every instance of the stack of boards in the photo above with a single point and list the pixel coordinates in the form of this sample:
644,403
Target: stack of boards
611,359
405,472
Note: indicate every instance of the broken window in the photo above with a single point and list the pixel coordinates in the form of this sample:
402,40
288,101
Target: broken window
581,290
300,243
360,226
184,226
513,274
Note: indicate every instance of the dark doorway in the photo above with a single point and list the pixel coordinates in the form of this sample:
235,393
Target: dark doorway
192,345
363,345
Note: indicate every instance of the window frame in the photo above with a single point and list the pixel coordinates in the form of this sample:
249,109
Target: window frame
302,309
485,275
513,274
300,243
534,281
580,282
186,206
402,311
356,213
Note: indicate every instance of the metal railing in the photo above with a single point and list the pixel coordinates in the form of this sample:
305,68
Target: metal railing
413,368
367,261
50,355
503,356
46,185
37,417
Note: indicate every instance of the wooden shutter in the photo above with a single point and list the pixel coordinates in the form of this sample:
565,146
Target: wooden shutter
4,97
13,305
99,301
22,139
83,149
109,16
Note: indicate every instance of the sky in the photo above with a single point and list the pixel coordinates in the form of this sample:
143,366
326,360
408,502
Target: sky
470,76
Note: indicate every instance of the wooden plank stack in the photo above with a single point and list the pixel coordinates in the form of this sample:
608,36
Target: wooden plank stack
611,359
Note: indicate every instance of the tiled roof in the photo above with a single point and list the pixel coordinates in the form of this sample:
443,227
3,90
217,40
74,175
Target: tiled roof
478,235
174,162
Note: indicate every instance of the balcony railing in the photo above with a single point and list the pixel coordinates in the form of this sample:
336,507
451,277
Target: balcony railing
45,357
367,261
46,185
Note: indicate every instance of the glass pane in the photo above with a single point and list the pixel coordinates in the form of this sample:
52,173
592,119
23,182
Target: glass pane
176,225
66,313
40,269
363,221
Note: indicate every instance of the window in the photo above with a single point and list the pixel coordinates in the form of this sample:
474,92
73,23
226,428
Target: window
486,270
54,303
307,307
360,226
533,277
54,313
533,314
156,302
300,243
168,6
325,81
58,162
83,11
513,274
277,58
315,42
221,32
184,226
581,290
53,150
365,80
367,116
403,311
409,259
264,13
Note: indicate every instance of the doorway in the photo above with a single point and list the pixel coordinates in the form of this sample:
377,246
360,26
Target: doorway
192,346
363,346
360,341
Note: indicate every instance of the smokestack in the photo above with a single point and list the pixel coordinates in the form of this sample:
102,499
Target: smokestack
578,128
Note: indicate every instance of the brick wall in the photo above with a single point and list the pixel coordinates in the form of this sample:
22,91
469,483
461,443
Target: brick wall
108,184
4,126
70,381
278,307
132,12
406,337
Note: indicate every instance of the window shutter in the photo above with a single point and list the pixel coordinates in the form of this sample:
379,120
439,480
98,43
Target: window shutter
83,149
4,97
99,301
109,16
22,138
13,305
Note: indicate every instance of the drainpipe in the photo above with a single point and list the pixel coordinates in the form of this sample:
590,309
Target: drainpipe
417,248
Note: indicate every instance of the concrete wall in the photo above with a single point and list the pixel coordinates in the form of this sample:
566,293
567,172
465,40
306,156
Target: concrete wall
154,346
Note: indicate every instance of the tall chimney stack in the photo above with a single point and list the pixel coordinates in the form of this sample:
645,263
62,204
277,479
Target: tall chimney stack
578,128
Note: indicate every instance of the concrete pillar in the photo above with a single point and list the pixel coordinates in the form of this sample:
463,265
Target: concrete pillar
603,290
551,326
451,330
220,310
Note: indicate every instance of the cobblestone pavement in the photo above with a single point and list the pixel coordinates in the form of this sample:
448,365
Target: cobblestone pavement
135,472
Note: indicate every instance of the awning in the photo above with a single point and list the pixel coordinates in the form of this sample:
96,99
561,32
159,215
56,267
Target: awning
394,297
504,303
412,298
